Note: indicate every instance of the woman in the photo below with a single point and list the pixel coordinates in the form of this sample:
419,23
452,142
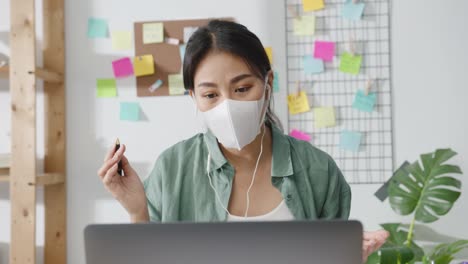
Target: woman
243,167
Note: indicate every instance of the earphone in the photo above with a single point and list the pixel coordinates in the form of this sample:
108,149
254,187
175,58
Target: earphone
208,163
208,166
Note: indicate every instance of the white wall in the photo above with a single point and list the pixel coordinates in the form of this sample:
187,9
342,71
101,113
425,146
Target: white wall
429,58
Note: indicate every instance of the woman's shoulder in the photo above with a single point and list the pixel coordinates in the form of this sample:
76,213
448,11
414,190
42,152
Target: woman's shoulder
309,154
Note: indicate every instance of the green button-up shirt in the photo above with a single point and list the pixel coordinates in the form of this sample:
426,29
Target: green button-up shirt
178,188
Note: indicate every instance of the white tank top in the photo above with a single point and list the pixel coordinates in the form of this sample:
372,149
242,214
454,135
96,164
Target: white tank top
280,213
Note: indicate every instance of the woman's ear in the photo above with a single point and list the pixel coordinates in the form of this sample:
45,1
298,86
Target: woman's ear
271,77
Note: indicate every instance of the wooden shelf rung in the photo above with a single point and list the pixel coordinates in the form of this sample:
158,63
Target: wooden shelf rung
49,179
49,76
41,73
41,180
4,71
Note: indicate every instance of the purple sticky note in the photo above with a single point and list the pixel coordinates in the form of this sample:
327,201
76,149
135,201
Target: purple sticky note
122,67
324,50
299,135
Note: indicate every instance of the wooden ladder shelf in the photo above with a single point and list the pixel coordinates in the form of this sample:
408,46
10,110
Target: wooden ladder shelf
21,175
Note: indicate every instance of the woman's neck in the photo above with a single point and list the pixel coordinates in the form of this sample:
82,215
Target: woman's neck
249,154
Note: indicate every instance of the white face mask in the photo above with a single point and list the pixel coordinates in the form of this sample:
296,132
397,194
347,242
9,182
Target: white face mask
236,123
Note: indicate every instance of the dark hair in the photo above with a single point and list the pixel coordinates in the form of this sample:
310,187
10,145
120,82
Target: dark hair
232,38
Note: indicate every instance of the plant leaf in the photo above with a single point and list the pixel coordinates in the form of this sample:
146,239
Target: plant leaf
430,192
444,253
397,238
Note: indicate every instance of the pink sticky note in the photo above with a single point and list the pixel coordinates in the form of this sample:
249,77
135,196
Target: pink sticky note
324,50
299,135
122,67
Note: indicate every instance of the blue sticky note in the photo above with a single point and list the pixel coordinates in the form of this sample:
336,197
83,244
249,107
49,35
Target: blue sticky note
350,140
312,65
353,11
97,28
364,102
129,111
182,52
276,82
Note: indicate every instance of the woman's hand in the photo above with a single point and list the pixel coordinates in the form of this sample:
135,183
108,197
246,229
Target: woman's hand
372,241
128,189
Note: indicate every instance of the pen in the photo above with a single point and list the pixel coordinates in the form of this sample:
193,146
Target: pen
119,166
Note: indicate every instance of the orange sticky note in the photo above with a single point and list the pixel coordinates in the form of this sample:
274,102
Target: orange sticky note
143,65
298,103
269,52
312,5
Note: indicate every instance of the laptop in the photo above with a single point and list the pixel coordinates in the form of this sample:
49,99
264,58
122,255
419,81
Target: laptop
292,242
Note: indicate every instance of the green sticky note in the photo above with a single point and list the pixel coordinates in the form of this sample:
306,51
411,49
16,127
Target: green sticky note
106,88
304,26
275,82
176,84
97,28
350,64
129,111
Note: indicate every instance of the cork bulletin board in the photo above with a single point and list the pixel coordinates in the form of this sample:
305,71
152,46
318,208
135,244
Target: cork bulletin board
167,58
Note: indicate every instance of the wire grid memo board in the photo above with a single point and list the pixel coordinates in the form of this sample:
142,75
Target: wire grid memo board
371,38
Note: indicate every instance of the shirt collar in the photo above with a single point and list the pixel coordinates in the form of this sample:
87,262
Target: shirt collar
281,160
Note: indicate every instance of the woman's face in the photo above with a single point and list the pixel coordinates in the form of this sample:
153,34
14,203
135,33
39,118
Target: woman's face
221,76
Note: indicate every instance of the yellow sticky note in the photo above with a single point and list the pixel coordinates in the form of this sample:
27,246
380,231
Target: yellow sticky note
312,5
304,26
153,33
121,40
143,65
269,52
298,103
324,117
176,84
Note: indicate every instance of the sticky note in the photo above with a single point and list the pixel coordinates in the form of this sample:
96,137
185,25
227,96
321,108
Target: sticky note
97,28
106,88
121,40
153,33
324,50
129,111
176,84
122,67
269,52
299,135
182,52
350,64
188,32
312,65
143,65
364,102
275,82
312,5
350,140
353,11
304,26
298,103
155,85
172,41
324,117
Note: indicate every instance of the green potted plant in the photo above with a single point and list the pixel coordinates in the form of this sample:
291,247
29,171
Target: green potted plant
426,191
